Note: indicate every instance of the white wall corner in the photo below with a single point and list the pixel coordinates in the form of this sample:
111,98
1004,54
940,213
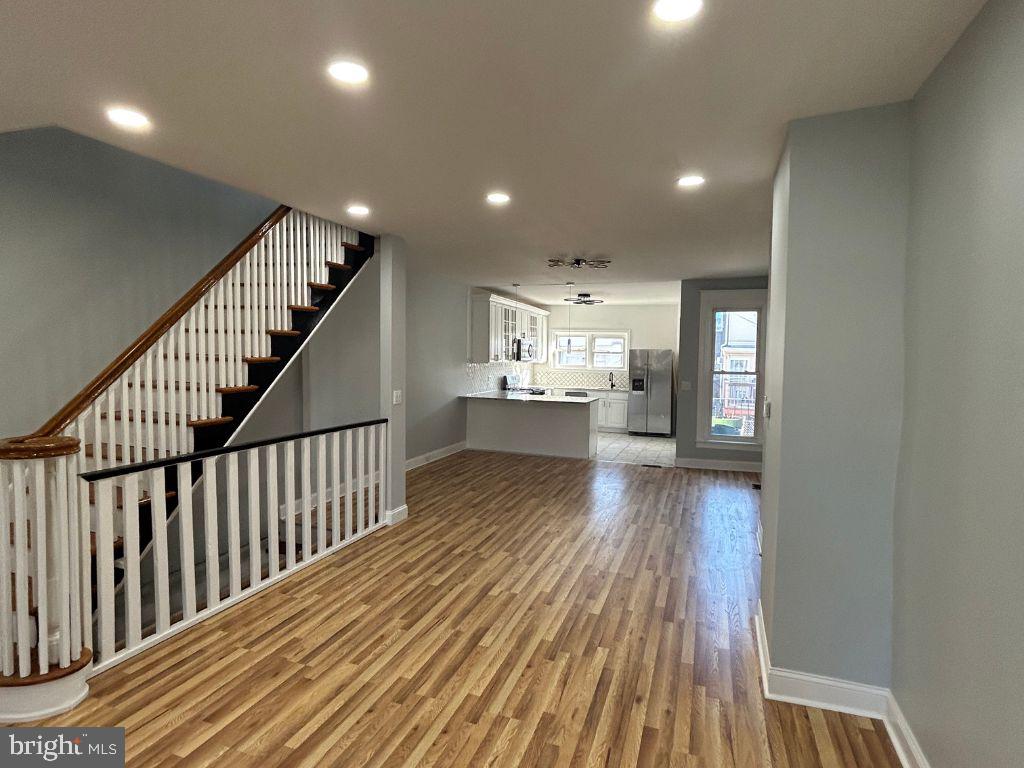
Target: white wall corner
395,516
839,696
903,740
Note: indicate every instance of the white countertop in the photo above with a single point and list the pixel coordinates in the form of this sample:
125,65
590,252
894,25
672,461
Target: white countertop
523,397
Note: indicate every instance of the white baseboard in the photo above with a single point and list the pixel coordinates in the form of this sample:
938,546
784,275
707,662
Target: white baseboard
440,453
395,516
839,696
729,466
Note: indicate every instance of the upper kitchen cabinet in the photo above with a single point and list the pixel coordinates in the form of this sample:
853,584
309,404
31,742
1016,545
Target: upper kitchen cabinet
496,322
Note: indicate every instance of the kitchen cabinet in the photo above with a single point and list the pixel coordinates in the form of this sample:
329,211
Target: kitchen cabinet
612,410
496,321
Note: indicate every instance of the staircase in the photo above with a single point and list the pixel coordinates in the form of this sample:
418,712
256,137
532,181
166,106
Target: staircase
185,387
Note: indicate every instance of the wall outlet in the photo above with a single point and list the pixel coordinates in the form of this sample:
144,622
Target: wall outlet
396,397
685,386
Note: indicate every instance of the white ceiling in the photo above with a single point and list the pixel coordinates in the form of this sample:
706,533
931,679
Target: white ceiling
584,110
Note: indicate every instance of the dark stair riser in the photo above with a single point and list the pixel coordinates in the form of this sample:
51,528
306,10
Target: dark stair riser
263,374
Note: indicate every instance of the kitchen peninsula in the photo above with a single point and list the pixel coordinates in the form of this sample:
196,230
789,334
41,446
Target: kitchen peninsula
544,425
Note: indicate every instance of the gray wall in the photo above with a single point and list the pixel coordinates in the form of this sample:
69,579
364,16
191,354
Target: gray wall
436,319
96,243
830,485
689,366
959,533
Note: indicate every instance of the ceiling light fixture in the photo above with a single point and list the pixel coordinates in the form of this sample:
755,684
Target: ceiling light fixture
674,11
357,209
584,298
690,182
348,72
498,198
579,261
130,119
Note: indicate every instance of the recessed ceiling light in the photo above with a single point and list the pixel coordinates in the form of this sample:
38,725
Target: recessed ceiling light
677,10
357,209
131,119
348,72
691,181
498,198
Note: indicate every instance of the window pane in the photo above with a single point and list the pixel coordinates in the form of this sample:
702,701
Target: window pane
733,405
609,352
572,350
736,341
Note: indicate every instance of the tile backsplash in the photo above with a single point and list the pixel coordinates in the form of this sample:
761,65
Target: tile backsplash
486,377
546,376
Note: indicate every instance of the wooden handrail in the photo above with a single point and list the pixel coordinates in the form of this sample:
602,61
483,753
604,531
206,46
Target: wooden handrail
138,348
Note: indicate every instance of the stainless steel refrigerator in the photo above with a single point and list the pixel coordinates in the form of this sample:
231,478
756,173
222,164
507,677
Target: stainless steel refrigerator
650,391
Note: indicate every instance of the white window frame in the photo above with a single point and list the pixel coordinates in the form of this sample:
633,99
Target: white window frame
728,301
589,336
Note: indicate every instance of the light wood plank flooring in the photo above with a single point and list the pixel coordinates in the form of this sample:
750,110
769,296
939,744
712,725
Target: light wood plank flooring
531,612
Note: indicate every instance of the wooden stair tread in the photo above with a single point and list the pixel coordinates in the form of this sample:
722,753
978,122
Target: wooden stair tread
353,246
303,308
322,286
283,332
338,265
234,390
257,360
215,421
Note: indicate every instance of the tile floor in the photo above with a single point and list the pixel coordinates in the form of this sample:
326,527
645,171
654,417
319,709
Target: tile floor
636,449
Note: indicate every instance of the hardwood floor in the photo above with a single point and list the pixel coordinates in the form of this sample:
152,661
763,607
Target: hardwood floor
531,612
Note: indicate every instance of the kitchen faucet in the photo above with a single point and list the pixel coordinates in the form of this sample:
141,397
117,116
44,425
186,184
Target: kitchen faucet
611,380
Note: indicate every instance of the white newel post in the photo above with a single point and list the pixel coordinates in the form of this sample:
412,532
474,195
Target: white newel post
44,550
392,254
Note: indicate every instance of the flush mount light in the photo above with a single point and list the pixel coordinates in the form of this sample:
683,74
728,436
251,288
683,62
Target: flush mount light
498,198
690,182
129,119
358,209
677,10
348,72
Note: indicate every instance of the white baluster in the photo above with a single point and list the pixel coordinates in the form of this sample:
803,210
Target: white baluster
307,538
250,303
161,400
97,433
105,566
371,472
74,566
39,544
348,484
188,559
209,354
161,565
185,413
132,578
252,465
126,424
136,408
236,306
335,488
60,527
151,416
6,607
231,329
210,523
170,416
321,494
195,393
234,535
289,502
222,352
272,510
361,479
84,550
21,567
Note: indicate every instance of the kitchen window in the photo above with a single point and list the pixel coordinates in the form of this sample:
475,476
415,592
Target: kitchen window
591,350
570,350
731,354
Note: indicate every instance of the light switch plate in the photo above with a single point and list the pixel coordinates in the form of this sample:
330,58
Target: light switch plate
685,386
396,397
